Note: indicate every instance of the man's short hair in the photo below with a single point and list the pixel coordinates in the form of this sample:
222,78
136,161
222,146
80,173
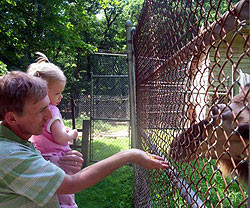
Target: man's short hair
17,88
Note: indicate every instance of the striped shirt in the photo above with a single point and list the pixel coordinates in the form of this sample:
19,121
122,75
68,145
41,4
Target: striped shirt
27,180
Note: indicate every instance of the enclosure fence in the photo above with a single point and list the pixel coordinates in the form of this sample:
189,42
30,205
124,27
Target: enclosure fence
102,117
192,72
110,111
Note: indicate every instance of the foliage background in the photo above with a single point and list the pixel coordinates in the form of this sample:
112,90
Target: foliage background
68,32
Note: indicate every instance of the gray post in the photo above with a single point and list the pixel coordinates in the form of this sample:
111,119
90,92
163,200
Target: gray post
85,141
132,94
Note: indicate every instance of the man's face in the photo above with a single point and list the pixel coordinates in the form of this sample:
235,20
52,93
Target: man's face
34,117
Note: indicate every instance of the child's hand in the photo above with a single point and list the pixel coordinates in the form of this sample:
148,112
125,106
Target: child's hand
73,133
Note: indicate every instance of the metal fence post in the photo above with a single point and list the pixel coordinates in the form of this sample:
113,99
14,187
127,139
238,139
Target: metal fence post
85,141
132,93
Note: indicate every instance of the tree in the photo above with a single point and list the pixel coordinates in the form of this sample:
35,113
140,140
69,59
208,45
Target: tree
68,32
3,68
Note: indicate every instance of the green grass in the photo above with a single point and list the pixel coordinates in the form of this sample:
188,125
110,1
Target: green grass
105,147
229,192
204,182
115,191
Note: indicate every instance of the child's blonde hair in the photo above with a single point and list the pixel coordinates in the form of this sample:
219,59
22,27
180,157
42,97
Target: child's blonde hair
46,70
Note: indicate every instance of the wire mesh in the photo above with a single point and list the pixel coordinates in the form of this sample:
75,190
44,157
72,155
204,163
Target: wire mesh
110,110
107,138
81,105
109,64
110,97
192,98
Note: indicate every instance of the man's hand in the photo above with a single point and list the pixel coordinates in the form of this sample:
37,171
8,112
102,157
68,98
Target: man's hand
71,162
149,161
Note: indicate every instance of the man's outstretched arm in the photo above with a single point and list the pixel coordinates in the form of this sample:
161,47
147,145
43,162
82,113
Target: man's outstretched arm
95,173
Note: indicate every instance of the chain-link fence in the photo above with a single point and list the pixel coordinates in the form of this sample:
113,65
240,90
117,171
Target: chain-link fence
110,109
192,63
106,107
81,105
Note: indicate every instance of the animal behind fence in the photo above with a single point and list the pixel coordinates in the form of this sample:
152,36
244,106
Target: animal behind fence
224,136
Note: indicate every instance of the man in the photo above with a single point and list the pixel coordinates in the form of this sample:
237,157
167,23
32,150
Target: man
28,180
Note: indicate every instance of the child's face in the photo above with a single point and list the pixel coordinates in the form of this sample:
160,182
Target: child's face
55,92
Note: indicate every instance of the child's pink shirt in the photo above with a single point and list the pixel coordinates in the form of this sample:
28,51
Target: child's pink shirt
45,142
